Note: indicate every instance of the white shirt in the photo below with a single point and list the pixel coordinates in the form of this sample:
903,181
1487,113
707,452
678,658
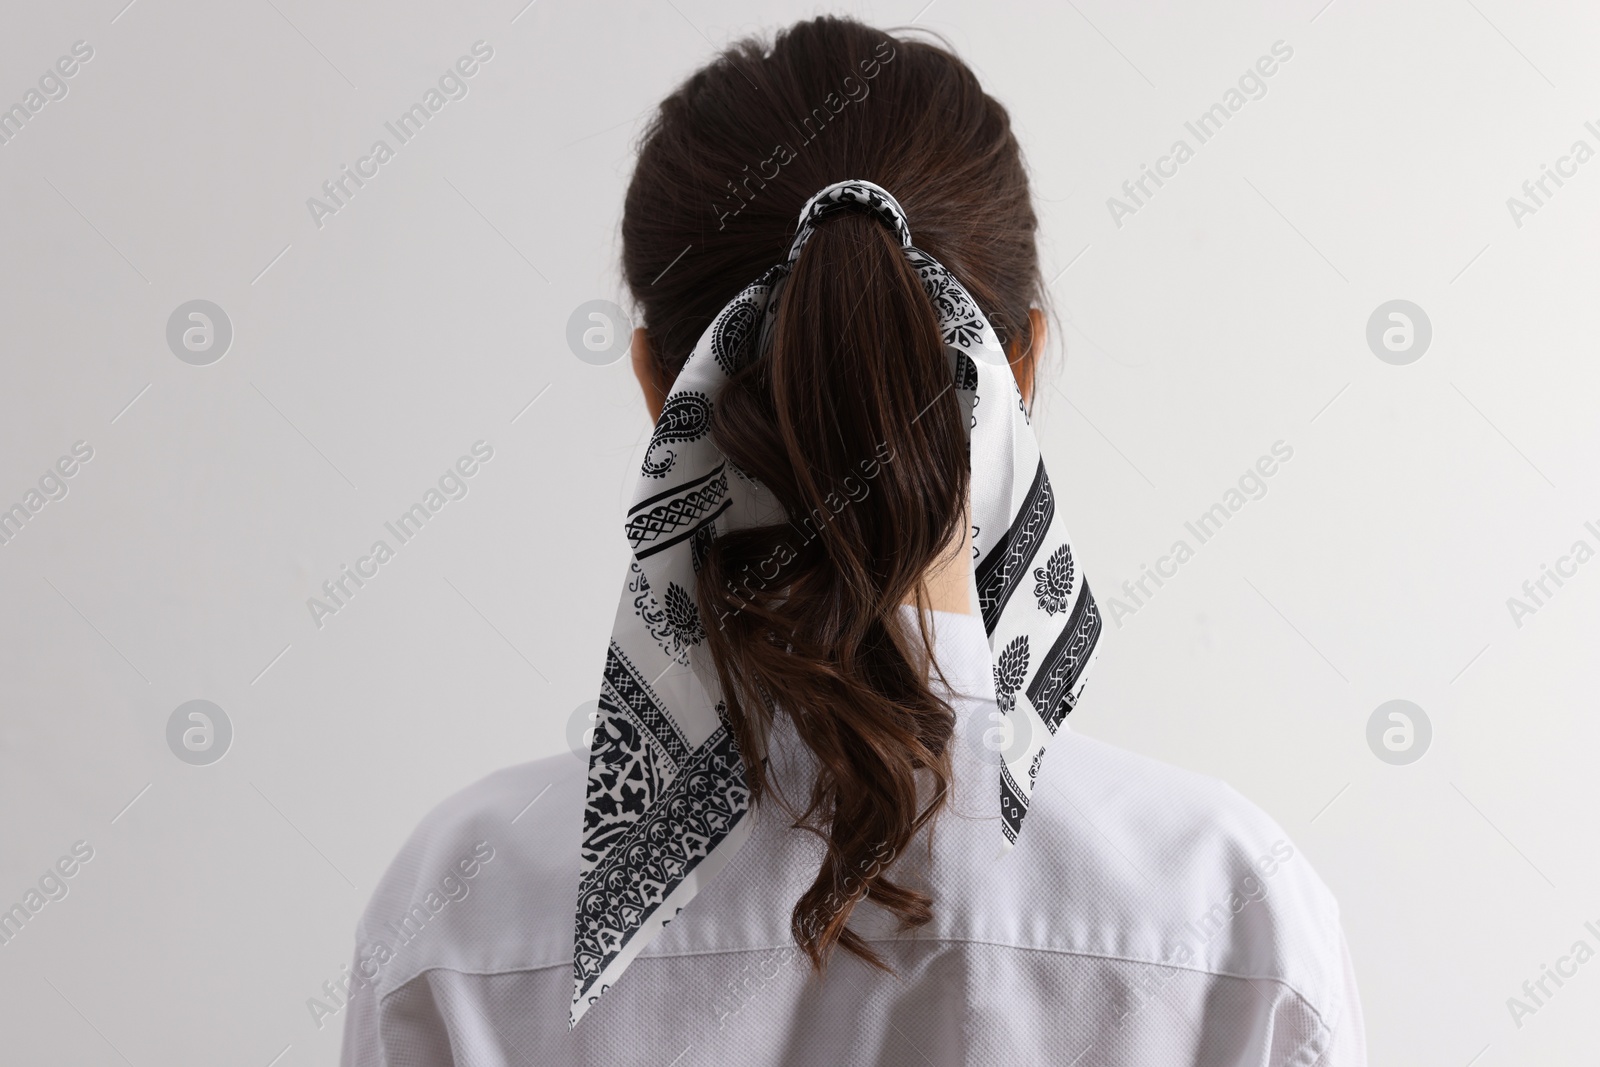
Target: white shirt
1146,916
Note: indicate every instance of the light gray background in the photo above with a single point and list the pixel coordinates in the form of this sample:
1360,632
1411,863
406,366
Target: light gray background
369,354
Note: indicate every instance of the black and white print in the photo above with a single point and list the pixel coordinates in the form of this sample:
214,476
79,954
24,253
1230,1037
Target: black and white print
638,862
1013,806
667,796
966,372
700,544
844,196
1055,687
733,332
960,320
1001,569
659,522
1010,671
651,613
674,621
684,418
1054,588
683,615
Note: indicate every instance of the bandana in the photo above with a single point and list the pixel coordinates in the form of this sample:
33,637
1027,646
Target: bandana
667,797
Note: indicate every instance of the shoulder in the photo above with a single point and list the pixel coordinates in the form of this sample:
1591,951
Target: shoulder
1173,868
484,884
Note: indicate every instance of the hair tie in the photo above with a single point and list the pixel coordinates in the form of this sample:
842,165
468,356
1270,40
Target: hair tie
661,731
843,196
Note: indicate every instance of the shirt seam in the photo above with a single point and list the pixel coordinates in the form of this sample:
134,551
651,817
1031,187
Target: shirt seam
1322,1025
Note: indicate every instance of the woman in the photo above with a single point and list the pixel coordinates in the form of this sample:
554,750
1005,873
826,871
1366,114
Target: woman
819,824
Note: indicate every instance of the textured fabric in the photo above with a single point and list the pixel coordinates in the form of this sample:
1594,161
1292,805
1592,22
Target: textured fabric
1149,916
666,795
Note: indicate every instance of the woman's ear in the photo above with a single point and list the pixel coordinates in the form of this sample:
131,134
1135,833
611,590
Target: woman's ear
652,382
1025,365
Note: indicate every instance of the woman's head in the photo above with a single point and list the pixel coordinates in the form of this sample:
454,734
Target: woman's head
734,152
848,418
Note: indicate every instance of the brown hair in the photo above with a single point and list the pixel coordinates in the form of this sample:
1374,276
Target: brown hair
848,419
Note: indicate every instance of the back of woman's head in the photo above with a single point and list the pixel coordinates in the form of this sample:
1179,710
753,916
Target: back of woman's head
849,418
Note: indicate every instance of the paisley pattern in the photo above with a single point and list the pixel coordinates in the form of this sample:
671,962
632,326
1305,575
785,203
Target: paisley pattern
667,795
732,333
684,417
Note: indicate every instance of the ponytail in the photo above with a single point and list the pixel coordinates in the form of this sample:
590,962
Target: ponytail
851,422
848,418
